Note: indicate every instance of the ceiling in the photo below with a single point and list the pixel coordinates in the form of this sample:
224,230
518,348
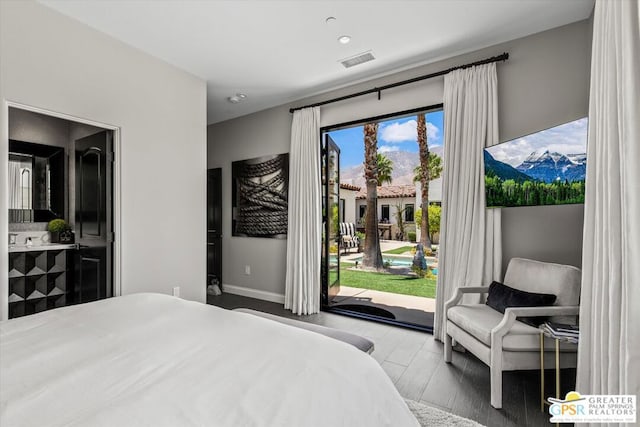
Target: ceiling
280,51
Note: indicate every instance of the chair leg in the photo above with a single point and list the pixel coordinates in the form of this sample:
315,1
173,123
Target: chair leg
496,388
447,348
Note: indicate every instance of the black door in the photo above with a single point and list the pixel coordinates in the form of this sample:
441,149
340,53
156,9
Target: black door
331,221
94,217
214,224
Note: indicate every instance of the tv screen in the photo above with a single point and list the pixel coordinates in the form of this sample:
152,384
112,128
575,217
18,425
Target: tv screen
544,168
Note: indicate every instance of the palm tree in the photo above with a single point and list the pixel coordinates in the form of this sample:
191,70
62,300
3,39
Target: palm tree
385,169
430,168
435,168
372,257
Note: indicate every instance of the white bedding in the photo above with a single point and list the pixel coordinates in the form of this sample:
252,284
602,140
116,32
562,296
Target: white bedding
156,360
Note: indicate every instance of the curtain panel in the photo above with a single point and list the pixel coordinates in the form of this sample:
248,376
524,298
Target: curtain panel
609,348
302,285
470,243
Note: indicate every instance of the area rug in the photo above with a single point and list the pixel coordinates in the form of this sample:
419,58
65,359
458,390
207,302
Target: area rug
429,416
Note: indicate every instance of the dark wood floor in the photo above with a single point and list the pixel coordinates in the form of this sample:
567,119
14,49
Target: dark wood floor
414,362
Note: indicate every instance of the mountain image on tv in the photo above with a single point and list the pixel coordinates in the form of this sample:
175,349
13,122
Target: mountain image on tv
545,168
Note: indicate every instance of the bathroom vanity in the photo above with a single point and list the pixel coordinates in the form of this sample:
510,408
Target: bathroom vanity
40,277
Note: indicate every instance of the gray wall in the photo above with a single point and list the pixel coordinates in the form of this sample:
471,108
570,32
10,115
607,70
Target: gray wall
544,83
58,64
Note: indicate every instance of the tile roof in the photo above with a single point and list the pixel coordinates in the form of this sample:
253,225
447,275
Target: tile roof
390,191
345,186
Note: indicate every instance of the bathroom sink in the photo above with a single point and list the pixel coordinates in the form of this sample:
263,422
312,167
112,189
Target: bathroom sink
42,247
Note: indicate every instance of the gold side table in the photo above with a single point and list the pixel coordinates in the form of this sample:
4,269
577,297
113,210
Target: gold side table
545,332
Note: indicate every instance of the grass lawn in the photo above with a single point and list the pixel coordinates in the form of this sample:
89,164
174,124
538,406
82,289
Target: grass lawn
398,251
386,282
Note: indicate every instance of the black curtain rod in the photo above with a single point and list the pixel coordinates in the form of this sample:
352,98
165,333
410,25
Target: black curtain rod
503,57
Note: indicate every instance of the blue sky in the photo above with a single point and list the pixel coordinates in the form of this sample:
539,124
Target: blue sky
569,138
393,135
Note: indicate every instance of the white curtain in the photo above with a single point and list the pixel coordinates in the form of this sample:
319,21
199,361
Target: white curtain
15,186
470,243
609,349
302,288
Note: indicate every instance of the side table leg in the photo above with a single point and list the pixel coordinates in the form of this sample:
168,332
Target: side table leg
541,371
557,369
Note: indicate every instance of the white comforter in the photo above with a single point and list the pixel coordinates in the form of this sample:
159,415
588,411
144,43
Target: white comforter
156,360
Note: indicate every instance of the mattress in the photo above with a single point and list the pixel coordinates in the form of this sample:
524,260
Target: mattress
157,360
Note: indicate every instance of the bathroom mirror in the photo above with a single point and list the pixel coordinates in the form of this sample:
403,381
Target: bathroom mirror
36,182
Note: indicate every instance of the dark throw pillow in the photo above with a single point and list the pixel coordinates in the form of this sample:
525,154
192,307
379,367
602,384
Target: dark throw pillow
502,297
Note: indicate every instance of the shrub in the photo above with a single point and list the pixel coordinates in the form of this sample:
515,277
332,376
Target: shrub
57,225
420,272
412,236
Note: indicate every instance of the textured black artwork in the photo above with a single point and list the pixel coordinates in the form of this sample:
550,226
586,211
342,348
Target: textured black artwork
260,196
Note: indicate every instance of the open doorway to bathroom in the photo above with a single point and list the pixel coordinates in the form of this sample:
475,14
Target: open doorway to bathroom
380,241
61,211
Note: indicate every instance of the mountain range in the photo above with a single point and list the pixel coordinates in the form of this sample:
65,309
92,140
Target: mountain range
404,162
552,166
543,166
504,170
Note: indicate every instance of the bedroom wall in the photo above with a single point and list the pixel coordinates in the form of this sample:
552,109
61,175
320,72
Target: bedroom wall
58,64
544,83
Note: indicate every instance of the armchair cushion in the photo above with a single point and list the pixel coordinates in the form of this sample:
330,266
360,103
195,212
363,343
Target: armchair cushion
501,297
479,319
543,277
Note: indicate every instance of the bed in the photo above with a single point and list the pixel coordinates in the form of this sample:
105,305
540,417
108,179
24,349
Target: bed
157,360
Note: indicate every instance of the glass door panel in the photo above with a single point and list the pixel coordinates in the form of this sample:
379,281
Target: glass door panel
331,220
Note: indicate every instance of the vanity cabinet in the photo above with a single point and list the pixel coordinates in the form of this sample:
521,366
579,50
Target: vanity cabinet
39,280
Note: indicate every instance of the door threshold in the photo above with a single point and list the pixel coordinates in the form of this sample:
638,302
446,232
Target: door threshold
379,319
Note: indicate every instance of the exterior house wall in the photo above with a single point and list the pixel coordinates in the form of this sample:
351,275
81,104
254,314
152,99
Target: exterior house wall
392,202
349,198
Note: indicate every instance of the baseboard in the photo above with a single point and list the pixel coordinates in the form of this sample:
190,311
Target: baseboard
253,293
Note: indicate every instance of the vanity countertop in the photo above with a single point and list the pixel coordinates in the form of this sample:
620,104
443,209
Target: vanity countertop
43,247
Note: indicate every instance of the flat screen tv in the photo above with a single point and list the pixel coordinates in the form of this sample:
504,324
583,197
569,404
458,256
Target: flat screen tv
544,168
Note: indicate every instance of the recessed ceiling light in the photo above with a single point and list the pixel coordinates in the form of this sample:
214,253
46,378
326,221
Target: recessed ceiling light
330,20
236,98
344,39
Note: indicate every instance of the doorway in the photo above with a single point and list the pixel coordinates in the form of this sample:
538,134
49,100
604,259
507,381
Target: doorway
81,189
379,258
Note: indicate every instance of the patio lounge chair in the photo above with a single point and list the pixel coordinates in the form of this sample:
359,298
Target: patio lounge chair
348,237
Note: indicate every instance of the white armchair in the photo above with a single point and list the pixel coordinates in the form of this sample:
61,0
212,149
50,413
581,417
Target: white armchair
500,340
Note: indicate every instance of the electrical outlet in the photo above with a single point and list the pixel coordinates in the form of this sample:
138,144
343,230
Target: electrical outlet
247,270
176,291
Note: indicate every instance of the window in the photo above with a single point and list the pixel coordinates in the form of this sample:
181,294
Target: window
363,209
408,212
385,213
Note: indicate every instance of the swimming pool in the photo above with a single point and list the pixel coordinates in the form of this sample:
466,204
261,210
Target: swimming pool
393,260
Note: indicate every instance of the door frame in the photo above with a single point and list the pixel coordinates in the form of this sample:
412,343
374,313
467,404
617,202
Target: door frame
117,201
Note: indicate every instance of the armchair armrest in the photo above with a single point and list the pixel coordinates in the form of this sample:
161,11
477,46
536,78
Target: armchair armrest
511,313
460,291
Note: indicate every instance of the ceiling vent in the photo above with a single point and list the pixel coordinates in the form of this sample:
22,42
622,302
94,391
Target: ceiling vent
360,58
